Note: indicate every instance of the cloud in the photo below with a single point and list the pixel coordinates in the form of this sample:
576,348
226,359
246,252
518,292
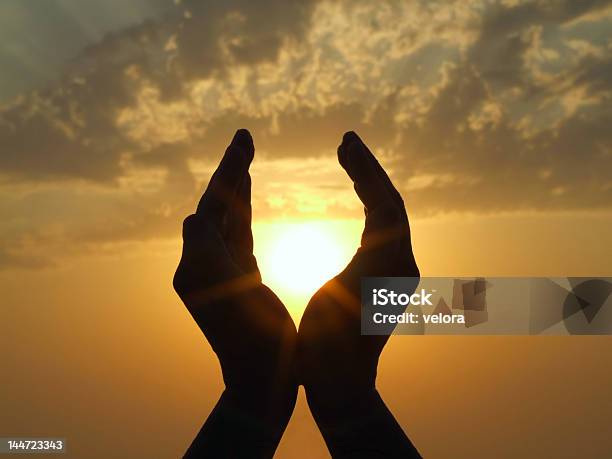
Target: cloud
215,34
472,106
70,128
488,159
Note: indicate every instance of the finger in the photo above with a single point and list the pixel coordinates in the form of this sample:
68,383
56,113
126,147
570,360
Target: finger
240,234
382,174
400,231
383,230
354,158
224,183
202,239
395,195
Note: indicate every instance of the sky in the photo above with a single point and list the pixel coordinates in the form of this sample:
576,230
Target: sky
492,118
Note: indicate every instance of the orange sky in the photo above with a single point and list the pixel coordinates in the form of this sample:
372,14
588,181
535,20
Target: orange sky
492,119
101,350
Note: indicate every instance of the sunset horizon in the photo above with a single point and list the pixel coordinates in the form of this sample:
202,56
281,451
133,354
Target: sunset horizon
489,119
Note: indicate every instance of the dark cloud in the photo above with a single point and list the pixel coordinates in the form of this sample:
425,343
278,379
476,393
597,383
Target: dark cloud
594,73
507,33
496,165
17,259
246,32
69,130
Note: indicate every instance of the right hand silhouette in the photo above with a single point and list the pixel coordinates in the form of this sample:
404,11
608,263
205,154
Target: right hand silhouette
333,356
336,364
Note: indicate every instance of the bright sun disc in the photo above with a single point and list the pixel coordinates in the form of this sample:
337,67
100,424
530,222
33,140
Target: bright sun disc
296,259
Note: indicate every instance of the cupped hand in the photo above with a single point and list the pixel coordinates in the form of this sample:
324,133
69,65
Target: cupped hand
217,278
334,360
336,364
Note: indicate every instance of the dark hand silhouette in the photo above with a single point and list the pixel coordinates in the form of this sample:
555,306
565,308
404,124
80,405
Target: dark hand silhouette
246,324
335,363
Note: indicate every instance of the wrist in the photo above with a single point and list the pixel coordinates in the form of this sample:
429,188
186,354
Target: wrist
340,389
357,423
263,393
258,423
267,407
328,402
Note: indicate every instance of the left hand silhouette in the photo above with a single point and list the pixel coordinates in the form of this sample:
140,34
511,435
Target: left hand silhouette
246,324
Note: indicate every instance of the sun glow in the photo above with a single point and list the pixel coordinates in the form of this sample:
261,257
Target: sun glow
296,258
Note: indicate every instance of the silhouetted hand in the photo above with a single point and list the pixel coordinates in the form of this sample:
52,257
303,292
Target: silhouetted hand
335,363
247,326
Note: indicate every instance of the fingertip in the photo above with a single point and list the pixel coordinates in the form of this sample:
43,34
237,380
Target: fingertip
349,137
243,137
244,140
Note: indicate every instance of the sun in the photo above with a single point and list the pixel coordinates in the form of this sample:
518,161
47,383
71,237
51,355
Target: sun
296,258
303,257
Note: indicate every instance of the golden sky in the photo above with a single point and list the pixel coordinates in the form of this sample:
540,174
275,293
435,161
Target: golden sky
492,117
